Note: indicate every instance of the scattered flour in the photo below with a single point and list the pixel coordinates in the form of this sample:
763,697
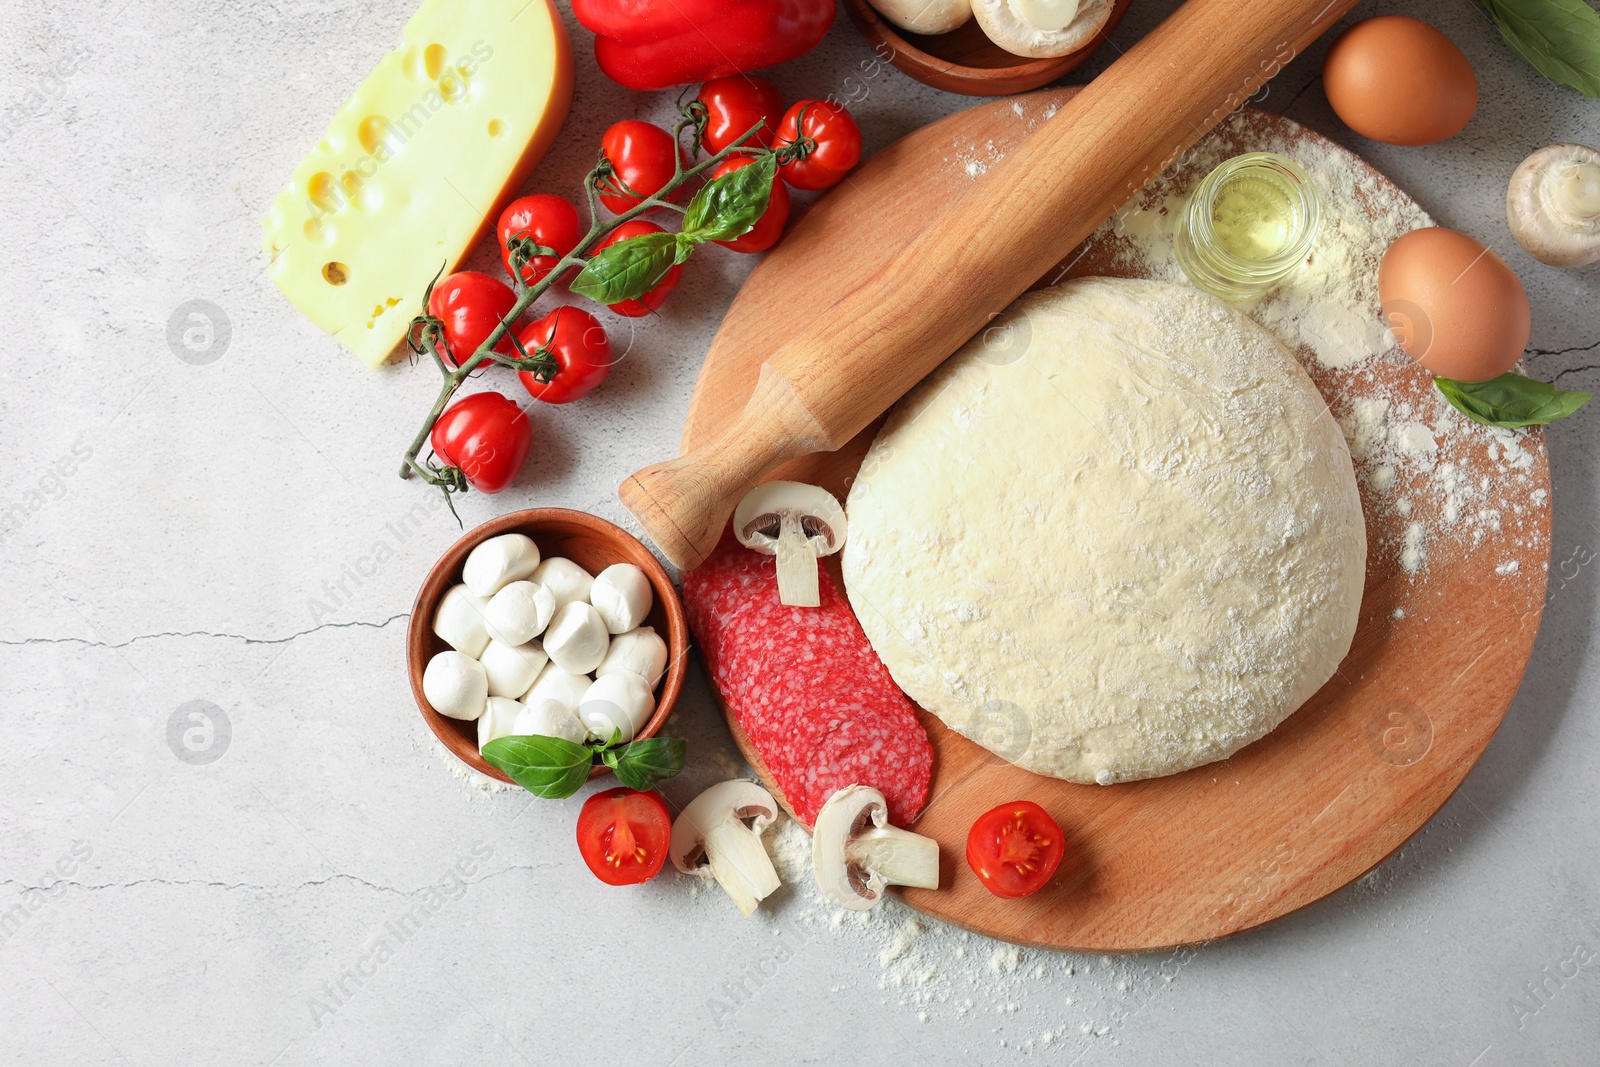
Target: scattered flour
932,971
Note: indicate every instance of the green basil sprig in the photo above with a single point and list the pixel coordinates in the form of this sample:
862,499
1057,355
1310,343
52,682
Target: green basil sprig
553,767
1511,400
1560,38
724,208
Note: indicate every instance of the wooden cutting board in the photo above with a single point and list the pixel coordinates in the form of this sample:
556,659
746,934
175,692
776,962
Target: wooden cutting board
1333,791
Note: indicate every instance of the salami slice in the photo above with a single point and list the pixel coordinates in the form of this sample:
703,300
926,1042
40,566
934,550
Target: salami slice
805,686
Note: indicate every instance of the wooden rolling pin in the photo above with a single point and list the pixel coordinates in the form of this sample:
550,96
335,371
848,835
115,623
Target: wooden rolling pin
874,343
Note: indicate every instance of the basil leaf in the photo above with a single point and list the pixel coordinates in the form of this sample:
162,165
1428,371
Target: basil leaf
1511,400
1559,38
641,764
628,269
727,207
549,767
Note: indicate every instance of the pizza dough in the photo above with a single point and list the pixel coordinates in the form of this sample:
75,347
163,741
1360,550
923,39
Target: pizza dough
1116,536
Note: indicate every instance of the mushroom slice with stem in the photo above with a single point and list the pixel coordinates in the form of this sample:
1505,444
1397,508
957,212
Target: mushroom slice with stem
799,524
1553,205
711,838
856,854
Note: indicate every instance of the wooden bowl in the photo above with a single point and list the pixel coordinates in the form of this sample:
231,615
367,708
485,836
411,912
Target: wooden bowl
965,60
590,542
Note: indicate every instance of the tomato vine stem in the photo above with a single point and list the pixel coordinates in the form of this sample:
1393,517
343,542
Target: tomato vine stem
427,332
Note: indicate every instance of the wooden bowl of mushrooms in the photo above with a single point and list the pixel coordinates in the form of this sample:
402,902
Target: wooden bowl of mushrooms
985,47
546,621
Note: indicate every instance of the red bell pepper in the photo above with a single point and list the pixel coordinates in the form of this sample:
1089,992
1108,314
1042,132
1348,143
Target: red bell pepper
655,44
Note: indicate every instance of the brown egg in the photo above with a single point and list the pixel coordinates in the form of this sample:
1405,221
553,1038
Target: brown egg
1455,306
1397,80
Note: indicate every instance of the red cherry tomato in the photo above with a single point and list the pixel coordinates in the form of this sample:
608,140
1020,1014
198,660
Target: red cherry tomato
831,143
487,436
550,221
623,835
471,305
655,297
1015,849
642,158
733,105
581,349
769,227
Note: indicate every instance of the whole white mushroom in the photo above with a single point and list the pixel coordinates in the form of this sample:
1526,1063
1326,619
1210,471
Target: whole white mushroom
925,16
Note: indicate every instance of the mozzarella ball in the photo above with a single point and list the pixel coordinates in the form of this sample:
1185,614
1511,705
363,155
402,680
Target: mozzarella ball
512,668
577,640
551,718
499,561
499,719
621,594
641,651
455,685
568,581
616,702
459,621
519,613
559,685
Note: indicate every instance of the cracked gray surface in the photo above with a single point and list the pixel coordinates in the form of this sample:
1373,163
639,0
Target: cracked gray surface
233,533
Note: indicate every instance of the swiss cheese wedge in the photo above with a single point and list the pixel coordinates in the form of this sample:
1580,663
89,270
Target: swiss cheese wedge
417,165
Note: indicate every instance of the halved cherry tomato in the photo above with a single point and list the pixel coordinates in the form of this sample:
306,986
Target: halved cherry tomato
830,144
550,221
471,305
733,105
487,436
769,227
642,159
1015,849
580,347
623,835
655,297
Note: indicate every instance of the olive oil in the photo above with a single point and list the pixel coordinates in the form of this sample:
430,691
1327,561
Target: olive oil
1248,224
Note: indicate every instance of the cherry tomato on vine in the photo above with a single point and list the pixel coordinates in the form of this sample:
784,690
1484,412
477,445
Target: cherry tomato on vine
733,105
830,144
643,160
623,835
769,227
656,296
580,347
471,305
550,221
487,436
1015,849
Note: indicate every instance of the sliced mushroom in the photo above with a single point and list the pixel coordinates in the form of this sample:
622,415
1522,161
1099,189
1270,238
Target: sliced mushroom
712,839
799,524
925,16
1553,205
856,854
1041,29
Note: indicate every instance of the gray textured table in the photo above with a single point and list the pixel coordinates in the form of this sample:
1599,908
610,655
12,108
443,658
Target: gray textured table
233,533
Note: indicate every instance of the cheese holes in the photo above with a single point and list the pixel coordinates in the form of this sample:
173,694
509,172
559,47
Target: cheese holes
335,273
324,192
433,58
496,127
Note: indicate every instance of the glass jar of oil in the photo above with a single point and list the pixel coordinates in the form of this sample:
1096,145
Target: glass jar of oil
1247,226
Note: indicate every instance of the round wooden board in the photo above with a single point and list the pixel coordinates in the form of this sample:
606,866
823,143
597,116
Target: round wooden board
1328,795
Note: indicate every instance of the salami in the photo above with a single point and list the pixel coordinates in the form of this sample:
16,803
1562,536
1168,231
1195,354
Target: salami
805,686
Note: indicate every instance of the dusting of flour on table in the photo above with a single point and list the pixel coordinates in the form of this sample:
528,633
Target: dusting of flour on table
934,973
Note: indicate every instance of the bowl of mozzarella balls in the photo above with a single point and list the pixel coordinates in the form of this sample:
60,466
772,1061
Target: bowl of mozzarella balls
546,621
